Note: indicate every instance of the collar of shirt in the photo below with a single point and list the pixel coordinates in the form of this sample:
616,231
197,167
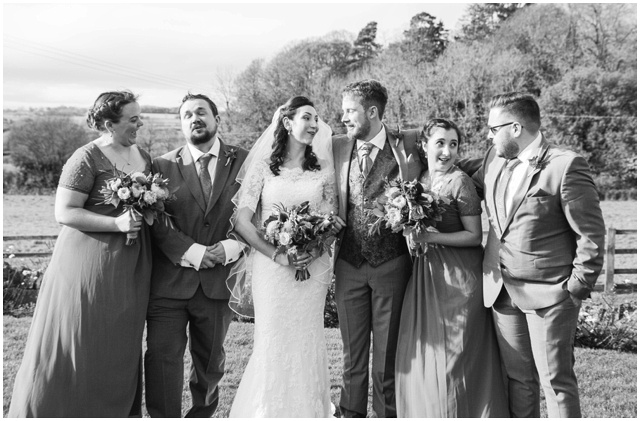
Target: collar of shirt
377,141
531,149
197,153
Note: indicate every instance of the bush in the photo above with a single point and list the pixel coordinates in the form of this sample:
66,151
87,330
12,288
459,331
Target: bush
12,178
20,289
330,307
605,326
41,146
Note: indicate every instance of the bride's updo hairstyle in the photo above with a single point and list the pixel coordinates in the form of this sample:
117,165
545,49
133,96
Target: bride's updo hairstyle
108,107
427,131
281,137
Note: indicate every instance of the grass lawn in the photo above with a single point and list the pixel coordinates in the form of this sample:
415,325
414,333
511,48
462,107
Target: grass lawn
607,379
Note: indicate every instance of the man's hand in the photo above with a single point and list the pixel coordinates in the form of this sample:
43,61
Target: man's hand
338,225
214,255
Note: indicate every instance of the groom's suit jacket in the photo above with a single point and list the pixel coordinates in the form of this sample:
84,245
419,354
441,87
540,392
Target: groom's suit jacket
196,221
404,148
553,237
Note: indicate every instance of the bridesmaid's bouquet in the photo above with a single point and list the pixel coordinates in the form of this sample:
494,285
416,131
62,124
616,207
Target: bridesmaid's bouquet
407,206
298,229
142,195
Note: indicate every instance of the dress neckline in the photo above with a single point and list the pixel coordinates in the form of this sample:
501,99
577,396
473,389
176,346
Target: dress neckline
104,156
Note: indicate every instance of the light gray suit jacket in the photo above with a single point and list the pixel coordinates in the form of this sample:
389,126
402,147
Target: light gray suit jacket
553,238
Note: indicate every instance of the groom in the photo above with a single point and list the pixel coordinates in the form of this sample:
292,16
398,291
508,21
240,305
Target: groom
544,253
371,271
188,288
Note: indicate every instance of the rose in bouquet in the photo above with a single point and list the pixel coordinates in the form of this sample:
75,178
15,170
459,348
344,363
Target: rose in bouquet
407,206
296,230
142,195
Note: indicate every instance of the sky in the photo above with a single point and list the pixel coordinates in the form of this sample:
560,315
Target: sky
66,54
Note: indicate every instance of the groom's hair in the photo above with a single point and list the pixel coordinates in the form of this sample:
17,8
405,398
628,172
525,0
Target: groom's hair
522,106
190,96
371,92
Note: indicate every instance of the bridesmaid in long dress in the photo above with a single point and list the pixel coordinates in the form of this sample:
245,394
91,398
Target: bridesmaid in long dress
82,357
447,363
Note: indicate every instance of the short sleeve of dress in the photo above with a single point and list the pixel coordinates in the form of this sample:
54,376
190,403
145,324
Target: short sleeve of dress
251,188
79,171
464,191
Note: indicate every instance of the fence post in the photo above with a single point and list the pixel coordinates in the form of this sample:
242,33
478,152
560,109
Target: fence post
609,286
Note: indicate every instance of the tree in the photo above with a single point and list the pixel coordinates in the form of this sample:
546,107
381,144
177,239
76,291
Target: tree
365,47
594,112
226,89
481,20
607,34
42,145
425,40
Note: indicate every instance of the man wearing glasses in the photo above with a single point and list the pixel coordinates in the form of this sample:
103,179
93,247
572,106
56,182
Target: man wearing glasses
544,253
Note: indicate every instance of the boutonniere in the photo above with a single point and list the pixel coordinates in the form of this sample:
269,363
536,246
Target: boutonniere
538,163
230,155
398,136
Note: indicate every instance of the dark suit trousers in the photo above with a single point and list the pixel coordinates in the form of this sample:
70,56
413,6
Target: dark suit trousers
369,301
167,321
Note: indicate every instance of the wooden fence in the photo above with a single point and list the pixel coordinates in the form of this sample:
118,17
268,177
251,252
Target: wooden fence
608,271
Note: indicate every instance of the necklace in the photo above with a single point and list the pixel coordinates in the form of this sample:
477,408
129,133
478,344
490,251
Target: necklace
126,160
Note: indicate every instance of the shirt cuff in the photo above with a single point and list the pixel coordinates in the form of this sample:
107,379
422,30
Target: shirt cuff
232,251
192,258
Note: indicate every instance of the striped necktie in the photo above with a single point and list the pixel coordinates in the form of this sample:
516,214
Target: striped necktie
204,176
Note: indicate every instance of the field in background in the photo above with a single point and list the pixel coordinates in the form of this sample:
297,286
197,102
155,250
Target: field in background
34,215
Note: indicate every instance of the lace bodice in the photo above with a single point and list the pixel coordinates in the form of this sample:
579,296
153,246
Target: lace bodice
291,187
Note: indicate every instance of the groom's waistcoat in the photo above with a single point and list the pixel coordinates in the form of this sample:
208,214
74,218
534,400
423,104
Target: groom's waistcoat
357,246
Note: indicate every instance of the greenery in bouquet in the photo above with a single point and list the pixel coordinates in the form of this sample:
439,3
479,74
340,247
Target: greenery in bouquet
407,206
143,195
296,230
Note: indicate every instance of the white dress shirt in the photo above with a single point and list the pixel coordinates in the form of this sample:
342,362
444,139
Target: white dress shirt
377,141
232,249
520,172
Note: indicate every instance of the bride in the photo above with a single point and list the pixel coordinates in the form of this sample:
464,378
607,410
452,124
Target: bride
288,373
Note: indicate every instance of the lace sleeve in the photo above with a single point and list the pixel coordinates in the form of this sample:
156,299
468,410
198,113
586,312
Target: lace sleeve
464,192
78,173
329,191
251,189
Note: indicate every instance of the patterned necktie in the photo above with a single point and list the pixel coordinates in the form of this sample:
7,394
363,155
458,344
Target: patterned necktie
365,160
501,190
204,176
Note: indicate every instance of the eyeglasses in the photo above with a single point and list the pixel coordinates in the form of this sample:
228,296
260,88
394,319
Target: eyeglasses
495,129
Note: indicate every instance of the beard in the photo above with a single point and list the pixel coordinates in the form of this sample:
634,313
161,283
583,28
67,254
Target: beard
360,132
508,149
204,137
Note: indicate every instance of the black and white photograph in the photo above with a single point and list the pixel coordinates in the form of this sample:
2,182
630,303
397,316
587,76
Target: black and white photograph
320,210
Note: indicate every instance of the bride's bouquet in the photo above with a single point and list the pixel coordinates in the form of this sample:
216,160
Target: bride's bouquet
296,230
407,206
142,195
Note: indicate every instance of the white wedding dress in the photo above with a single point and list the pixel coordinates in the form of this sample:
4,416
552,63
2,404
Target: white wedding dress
288,373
